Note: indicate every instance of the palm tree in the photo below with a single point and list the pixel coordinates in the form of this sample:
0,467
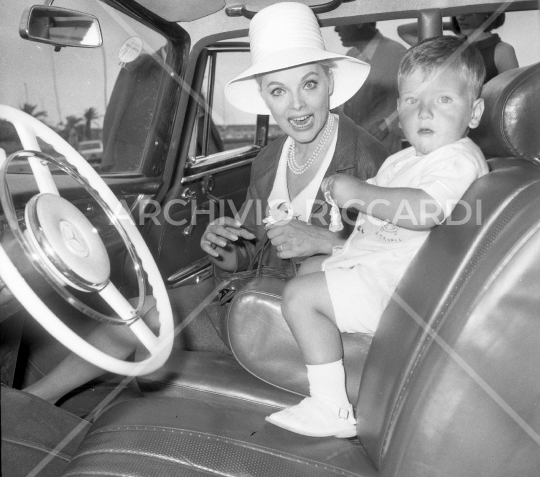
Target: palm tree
31,110
89,115
70,130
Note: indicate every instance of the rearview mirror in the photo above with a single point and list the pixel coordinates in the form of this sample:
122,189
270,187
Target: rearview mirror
60,27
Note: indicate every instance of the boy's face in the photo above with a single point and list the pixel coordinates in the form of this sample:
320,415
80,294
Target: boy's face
437,110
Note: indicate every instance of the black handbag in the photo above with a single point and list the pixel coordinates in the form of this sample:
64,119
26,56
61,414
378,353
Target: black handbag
235,281
230,284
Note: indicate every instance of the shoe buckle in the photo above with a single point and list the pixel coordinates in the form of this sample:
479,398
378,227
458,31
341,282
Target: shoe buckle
343,413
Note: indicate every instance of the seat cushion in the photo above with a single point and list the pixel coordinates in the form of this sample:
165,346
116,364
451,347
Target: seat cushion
34,435
173,436
215,377
263,343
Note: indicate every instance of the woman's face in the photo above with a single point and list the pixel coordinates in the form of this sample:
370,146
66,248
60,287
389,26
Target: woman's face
298,99
468,24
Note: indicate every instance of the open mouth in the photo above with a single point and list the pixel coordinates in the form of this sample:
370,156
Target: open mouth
301,122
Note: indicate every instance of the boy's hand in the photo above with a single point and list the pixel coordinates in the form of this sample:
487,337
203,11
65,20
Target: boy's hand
343,188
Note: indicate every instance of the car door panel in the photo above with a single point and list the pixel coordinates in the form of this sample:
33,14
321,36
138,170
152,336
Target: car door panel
203,197
216,177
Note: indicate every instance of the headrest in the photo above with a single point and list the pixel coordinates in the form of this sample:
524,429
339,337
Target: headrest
510,125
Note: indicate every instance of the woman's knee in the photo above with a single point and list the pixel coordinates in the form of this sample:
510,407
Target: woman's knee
149,312
151,318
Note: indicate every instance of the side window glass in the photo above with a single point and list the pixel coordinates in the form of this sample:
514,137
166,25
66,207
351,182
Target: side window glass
220,126
104,101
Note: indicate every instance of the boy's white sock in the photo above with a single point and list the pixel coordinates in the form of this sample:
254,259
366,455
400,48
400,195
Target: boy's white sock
327,381
327,412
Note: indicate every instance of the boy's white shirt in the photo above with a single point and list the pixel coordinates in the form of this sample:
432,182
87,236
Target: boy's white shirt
445,174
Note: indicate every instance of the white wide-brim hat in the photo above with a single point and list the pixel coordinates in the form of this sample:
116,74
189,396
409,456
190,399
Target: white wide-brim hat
285,35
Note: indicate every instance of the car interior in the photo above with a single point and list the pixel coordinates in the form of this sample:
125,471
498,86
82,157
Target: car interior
449,384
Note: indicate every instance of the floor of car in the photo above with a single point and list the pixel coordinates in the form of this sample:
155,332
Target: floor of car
196,332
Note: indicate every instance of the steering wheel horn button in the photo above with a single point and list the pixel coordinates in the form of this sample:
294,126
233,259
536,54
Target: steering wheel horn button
68,241
74,239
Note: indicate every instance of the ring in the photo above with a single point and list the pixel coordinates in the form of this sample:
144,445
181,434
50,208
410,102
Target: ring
280,248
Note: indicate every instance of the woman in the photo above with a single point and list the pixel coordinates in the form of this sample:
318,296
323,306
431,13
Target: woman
298,82
310,81
498,56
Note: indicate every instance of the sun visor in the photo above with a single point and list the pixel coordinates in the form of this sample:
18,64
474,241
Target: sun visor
184,11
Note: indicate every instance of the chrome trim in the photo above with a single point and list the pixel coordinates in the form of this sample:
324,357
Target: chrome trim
194,279
188,194
6,200
226,48
46,252
234,165
140,198
202,161
192,274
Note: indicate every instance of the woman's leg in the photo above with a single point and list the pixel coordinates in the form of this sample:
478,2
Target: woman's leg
74,371
308,310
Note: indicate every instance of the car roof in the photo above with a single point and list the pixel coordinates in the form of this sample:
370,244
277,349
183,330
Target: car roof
194,10
214,20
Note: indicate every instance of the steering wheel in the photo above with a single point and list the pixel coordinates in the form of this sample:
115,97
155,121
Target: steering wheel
67,250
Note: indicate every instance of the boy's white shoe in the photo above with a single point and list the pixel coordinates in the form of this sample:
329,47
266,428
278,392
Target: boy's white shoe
316,417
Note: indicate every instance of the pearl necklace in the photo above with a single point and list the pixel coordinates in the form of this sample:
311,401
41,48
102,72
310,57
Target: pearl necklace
291,156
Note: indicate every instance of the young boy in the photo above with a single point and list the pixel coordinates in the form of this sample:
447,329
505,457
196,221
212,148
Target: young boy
440,81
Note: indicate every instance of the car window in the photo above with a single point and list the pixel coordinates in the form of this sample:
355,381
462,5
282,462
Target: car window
108,95
86,145
227,128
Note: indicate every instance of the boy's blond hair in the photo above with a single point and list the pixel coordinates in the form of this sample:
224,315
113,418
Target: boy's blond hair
446,52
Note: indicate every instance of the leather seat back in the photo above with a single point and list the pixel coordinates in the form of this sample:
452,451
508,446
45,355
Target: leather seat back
452,376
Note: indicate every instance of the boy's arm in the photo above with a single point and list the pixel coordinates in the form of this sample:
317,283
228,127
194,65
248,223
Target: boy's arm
406,207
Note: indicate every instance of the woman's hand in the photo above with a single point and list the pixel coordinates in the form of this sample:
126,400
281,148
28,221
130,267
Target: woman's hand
221,232
298,239
343,189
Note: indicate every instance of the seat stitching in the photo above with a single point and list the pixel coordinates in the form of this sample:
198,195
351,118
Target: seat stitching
228,440
208,391
36,446
94,472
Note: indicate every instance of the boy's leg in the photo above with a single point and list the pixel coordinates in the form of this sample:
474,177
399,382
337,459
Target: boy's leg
312,265
308,310
74,371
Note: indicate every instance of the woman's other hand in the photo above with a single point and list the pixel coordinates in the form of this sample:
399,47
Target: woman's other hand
298,239
219,234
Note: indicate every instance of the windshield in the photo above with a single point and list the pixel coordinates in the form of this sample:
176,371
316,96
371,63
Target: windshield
103,97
